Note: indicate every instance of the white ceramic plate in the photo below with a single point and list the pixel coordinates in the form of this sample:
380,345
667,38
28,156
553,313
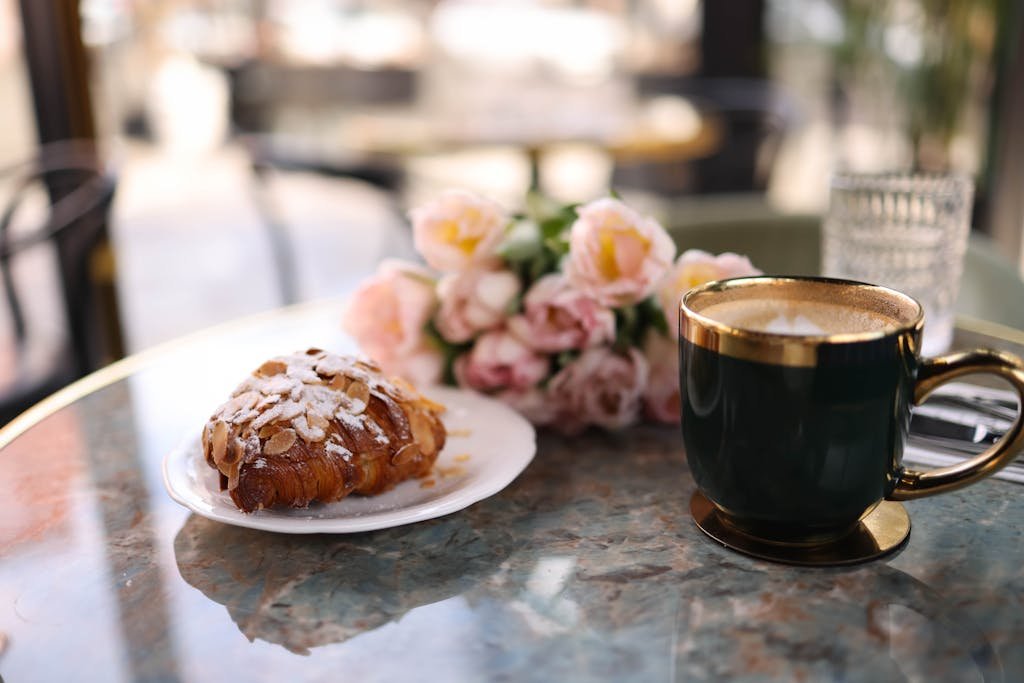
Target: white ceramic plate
488,445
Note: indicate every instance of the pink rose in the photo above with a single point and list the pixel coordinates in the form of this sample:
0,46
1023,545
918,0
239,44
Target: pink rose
388,312
601,387
616,255
695,267
558,317
474,301
500,360
661,397
458,229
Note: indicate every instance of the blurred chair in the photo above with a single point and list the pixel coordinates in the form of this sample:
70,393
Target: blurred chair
269,156
258,89
73,233
788,244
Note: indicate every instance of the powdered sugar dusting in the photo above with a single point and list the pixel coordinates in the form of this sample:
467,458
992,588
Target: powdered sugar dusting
337,449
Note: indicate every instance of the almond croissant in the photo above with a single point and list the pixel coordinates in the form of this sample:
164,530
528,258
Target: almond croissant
315,426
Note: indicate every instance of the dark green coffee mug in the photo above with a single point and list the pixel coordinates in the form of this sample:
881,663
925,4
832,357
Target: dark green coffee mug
796,397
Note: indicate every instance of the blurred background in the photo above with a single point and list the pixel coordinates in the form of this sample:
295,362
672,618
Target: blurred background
236,155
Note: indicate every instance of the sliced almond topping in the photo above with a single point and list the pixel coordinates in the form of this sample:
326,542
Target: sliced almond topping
233,476
242,402
367,365
304,374
309,434
206,440
317,419
220,441
422,431
360,395
268,430
280,442
291,410
339,382
406,454
233,453
358,390
403,385
272,367
278,384
270,415
267,401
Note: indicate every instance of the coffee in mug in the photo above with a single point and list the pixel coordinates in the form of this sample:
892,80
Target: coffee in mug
796,397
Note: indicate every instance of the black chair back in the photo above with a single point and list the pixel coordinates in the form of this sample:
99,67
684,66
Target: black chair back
80,192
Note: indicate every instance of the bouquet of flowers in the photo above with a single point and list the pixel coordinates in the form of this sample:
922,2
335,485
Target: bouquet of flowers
560,311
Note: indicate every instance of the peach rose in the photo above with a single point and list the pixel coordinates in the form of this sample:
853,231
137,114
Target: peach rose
616,255
695,267
422,367
500,360
388,312
661,397
558,317
458,229
601,387
474,301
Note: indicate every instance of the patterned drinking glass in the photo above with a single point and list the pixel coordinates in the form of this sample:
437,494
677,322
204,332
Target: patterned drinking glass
904,231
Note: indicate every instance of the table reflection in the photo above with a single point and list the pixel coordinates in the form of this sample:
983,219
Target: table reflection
302,591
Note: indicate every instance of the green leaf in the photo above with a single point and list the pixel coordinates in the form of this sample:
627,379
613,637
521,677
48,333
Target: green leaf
632,323
540,207
543,264
515,305
653,316
558,225
564,358
626,320
523,242
557,246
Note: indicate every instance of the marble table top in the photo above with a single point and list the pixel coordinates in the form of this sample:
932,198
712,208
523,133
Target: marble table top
587,567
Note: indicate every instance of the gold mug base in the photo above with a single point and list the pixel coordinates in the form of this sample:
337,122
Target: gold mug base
880,532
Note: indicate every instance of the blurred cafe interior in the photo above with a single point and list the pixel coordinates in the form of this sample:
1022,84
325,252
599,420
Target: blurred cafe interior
172,164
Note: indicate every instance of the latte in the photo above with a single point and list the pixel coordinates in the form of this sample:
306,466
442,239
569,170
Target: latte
791,316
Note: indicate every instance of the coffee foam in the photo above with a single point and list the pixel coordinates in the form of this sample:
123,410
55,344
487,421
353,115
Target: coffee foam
785,316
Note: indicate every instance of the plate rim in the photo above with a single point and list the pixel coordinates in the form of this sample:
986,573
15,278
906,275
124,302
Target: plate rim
458,499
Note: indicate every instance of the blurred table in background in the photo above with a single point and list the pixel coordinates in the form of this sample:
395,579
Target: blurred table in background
661,128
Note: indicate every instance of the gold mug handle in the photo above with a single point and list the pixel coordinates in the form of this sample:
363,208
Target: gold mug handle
935,371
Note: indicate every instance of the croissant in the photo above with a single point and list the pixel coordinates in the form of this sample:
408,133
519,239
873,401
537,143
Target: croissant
315,426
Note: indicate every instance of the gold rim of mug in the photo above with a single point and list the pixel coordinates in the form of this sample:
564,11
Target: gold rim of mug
788,349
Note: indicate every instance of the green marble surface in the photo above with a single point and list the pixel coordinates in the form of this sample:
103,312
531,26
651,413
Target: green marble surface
587,567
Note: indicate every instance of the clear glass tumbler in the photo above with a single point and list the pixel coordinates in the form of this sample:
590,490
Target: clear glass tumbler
904,231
